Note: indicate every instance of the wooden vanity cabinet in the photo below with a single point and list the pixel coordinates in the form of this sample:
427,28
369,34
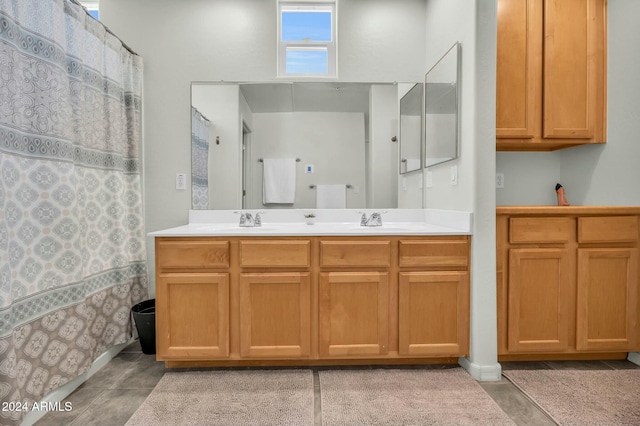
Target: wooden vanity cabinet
192,299
354,297
567,282
607,284
551,74
433,288
275,298
311,300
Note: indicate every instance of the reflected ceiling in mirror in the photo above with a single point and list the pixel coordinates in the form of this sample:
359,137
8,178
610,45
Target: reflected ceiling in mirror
442,95
336,129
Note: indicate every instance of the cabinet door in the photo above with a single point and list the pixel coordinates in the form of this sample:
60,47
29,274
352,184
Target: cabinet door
354,313
607,299
550,74
519,68
541,292
574,70
192,315
275,315
433,313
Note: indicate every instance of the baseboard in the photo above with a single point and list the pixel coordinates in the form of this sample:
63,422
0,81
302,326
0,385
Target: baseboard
62,392
634,357
482,373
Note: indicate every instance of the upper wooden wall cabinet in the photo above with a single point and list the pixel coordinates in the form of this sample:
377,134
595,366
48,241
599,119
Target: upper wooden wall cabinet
551,74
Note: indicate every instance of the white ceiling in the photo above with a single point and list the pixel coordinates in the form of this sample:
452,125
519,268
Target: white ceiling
307,97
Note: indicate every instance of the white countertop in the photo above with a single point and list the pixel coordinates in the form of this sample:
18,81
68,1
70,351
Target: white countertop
291,222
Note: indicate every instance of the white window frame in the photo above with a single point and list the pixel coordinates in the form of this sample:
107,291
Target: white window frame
91,5
329,46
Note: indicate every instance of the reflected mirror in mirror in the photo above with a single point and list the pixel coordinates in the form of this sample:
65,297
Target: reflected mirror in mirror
340,132
442,94
411,130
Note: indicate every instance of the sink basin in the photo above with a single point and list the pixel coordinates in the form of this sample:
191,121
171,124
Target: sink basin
225,227
382,228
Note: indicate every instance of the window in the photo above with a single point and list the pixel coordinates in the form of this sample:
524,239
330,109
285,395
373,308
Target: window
306,39
92,7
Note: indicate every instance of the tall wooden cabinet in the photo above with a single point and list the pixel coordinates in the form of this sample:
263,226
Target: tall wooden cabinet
567,281
551,74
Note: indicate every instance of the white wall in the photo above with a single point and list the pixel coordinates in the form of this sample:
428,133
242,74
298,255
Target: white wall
474,25
597,174
332,142
234,40
382,188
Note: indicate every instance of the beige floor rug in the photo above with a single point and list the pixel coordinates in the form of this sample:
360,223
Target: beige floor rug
578,397
247,397
406,397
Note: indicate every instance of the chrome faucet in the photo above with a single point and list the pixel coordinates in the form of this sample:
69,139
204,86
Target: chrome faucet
248,221
375,219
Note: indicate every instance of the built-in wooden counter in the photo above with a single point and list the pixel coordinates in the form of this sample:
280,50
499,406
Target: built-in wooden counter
311,300
568,282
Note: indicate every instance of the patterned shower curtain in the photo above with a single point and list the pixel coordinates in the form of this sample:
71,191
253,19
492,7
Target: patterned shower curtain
72,252
199,160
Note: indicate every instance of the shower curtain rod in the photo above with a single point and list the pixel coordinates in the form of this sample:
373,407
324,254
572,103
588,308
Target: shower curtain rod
202,115
76,2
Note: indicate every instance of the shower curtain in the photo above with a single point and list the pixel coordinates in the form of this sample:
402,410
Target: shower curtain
72,252
199,160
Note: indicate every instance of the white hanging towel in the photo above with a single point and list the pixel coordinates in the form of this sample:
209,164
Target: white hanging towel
331,197
279,180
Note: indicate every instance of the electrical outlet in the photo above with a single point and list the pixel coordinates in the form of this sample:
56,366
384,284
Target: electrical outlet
181,181
499,180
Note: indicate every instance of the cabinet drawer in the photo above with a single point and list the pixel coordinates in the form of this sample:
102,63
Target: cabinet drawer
355,253
450,254
540,229
619,229
275,253
192,254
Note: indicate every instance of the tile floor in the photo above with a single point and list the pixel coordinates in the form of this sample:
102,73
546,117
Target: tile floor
114,393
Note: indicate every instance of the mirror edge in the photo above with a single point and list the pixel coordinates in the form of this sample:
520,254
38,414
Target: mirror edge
458,47
421,154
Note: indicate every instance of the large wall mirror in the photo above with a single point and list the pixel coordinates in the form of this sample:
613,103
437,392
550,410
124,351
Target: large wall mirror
336,134
411,130
442,103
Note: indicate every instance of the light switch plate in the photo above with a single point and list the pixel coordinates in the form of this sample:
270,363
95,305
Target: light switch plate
454,175
181,181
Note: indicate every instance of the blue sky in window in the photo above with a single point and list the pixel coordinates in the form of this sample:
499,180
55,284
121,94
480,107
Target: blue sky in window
94,13
316,26
307,62
306,26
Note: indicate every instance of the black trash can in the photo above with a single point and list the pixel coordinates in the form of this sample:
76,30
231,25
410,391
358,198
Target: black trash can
144,315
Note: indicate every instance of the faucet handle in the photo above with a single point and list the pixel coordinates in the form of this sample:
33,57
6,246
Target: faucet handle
258,220
243,218
363,218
